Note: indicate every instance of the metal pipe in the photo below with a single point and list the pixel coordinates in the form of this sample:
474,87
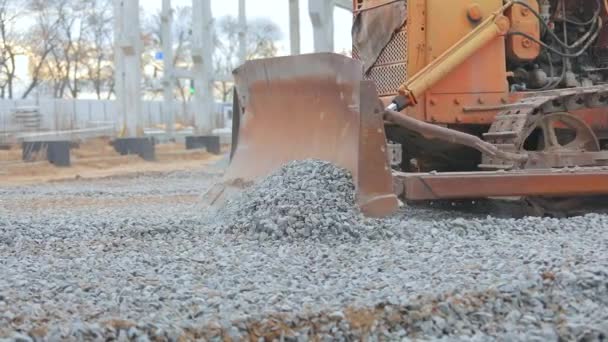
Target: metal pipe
82,133
431,131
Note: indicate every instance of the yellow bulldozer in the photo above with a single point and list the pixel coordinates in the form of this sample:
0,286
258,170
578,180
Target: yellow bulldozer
442,100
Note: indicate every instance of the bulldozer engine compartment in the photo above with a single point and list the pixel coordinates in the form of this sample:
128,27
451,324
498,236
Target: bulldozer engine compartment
551,44
557,44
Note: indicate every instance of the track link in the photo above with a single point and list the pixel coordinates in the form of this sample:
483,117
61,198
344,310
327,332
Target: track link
512,125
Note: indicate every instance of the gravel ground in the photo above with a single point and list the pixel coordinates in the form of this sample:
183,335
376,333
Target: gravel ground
138,258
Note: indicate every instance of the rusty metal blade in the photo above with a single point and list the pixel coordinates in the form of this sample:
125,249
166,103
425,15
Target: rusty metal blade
374,180
296,108
309,106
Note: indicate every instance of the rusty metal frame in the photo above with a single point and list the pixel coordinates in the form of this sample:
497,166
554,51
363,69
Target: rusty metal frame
492,27
467,185
431,131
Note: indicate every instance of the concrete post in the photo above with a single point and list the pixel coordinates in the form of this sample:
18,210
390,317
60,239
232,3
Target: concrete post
322,16
128,47
294,26
202,57
242,32
168,77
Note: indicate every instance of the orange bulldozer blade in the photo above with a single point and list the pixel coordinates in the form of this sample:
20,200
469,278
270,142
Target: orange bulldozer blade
312,107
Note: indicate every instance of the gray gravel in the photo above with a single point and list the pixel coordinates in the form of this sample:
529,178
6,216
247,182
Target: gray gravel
307,200
122,264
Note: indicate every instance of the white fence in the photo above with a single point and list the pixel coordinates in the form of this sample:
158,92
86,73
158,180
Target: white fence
59,115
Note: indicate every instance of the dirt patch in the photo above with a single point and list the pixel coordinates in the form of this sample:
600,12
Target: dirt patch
97,159
80,202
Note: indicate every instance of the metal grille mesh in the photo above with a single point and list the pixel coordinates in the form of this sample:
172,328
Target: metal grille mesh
396,50
388,78
390,70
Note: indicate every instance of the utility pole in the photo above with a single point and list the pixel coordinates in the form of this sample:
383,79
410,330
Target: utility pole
242,32
294,26
168,76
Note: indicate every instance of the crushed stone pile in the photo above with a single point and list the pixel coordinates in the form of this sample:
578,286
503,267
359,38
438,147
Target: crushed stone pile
310,199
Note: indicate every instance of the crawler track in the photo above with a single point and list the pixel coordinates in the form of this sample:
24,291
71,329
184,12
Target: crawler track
515,122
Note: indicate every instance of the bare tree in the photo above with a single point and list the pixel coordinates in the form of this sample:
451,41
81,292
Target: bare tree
70,46
99,52
262,37
78,53
42,37
182,31
9,45
69,54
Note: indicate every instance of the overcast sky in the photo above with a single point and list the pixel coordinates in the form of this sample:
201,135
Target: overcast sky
277,11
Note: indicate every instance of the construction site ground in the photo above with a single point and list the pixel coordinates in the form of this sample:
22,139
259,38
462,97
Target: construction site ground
97,159
104,251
